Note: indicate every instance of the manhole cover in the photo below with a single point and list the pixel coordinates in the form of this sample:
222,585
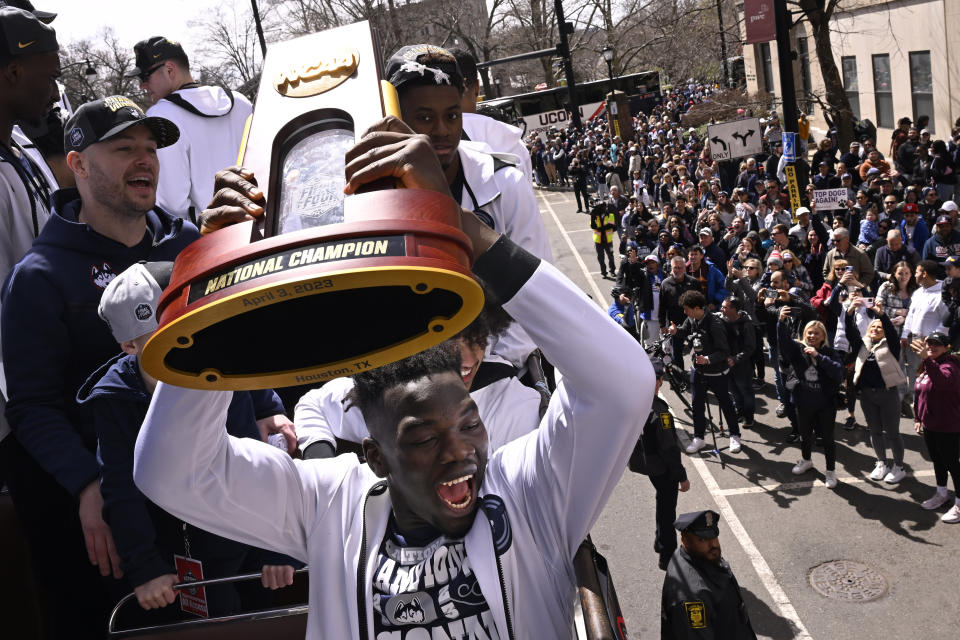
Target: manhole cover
848,581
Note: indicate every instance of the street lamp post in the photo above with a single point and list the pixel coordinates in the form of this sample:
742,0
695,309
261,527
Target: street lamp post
496,82
608,56
613,123
89,72
89,76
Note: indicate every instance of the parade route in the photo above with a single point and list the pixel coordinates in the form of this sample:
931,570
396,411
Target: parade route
777,528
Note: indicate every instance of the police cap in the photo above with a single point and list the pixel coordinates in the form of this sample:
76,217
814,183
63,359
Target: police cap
700,523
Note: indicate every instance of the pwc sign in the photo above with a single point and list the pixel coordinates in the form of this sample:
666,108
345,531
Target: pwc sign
758,15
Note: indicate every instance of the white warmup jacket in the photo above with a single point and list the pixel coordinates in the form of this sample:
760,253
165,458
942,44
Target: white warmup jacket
496,191
206,145
927,312
499,137
22,215
552,484
507,407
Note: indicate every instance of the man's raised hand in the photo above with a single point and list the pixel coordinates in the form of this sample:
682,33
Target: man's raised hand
390,149
236,198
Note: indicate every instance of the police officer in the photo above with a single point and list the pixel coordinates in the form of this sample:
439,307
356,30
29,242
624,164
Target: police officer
701,597
657,455
603,223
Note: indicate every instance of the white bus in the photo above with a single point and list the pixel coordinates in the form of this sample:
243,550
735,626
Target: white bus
538,111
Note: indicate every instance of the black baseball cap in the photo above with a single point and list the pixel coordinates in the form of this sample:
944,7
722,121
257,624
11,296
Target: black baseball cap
102,119
938,337
423,64
22,33
701,523
150,54
43,16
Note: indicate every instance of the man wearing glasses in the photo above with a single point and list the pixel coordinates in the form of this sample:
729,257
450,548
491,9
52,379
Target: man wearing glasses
210,118
891,209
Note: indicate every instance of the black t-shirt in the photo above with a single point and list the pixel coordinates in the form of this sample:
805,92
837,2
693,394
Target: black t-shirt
424,587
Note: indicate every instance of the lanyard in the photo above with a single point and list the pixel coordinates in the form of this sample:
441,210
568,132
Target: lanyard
186,541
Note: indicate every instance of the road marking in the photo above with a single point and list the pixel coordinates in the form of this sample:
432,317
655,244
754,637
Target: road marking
759,564
807,484
576,253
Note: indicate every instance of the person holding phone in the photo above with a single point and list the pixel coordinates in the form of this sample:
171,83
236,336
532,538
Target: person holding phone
877,374
770,301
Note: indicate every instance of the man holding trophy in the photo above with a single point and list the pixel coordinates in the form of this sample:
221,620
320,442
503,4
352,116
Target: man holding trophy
400,540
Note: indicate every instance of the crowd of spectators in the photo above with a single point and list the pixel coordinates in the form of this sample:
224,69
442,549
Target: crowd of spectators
844,299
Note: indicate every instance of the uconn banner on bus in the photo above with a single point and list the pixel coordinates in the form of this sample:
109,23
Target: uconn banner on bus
540,123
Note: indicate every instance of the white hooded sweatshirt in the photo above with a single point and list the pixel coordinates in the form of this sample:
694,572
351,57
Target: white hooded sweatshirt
206,145
551,484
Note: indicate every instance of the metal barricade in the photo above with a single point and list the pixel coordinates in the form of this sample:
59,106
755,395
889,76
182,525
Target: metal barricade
279,623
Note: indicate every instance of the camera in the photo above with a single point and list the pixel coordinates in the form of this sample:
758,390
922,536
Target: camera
771,294
795,312
697,342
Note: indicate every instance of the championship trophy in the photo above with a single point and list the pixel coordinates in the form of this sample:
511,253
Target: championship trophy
323,285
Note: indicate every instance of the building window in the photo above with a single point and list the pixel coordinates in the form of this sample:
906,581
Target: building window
883,90
806,100
851,85
921,86
767,63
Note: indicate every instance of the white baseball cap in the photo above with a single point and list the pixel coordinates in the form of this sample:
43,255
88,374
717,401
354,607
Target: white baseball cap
129,303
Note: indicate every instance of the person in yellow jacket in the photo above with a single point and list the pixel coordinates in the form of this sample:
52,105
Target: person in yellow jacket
803,131
604,224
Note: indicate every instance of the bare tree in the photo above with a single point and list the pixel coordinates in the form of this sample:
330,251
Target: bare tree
536,22
301,17
231,52
398,22
109,59
818,14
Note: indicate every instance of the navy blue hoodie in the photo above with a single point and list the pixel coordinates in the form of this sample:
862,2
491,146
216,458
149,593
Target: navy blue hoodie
145,535
53,338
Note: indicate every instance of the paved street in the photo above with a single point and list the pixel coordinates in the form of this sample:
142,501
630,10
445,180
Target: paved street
776,529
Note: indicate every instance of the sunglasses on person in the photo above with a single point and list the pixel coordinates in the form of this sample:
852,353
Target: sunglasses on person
750,268
143,77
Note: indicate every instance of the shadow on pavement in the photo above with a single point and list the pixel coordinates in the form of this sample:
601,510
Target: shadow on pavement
766,622
898,512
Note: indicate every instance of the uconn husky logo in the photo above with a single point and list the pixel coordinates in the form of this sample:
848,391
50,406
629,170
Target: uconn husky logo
409,612
102,274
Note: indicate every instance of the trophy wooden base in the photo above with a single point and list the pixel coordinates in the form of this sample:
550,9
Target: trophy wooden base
314,305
